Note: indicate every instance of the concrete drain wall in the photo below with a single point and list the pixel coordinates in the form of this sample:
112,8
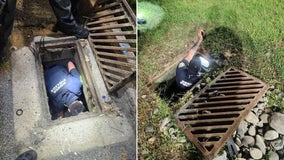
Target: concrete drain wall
60,51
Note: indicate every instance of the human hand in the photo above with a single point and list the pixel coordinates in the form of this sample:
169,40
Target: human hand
200,35
71,66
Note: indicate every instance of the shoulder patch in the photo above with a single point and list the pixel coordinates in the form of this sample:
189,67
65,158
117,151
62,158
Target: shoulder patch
181,64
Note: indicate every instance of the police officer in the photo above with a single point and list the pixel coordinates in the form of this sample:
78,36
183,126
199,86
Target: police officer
7,14
63,87
189,70
66,23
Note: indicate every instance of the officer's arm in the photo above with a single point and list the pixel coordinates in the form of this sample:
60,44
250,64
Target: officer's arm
72,69
195,47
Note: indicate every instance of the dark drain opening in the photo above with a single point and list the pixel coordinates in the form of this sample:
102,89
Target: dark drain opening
208,139
212,104
205,124
52,58
212,110
204,117
169,91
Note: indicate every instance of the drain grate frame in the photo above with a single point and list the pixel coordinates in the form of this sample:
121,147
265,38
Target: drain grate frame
113,37
51,46
210,118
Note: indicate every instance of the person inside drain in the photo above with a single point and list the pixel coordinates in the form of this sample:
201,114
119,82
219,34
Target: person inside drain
192,67
63,87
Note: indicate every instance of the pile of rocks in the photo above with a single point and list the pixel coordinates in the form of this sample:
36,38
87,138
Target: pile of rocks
261,134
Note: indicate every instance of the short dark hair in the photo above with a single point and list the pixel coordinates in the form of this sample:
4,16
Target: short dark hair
75,108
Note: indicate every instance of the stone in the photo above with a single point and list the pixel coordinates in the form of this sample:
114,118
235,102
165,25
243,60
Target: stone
152,140
240,156
164,123
181,139
273,156
276,122
259,124
238,142
237,147
255,153
255,110
252,130
264,118
267,110
149,129
242,129
261,106
263,100
240,159
251,118
281,153
259,112
278,144
248,141
143,96
260,143
260,131
271,135
281,95
223,156
155,112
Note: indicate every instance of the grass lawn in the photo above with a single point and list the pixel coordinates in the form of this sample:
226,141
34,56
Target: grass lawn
249,31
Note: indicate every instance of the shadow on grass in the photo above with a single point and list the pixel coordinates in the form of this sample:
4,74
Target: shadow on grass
225,43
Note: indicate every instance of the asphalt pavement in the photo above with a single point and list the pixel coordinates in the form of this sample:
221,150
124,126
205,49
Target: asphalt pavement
7,138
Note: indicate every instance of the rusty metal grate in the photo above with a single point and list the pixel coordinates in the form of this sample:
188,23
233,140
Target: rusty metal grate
215,113
113,36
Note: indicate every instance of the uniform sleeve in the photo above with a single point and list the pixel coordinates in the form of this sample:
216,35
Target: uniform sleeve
182,76
75,73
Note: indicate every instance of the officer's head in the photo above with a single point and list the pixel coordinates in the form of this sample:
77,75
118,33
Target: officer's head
75,108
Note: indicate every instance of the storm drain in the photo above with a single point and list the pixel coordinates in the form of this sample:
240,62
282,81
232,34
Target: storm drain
215,113
53,51
113,36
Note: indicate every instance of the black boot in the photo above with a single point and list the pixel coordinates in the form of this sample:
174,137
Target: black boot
28,155
66,22
77,31
3,52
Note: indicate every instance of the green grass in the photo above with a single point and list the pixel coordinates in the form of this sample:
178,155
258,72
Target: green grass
249,30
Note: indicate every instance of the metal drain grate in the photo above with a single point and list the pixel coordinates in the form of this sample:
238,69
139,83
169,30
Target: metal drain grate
113,36
215,113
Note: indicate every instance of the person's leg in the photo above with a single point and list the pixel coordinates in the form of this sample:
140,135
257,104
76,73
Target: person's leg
74,5
66,22
6,21
62,10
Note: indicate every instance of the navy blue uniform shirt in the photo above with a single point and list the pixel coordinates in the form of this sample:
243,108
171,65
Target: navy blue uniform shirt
62,87
187,73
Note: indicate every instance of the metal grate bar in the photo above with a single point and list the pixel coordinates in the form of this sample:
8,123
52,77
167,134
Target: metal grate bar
113,37
107,20
214,114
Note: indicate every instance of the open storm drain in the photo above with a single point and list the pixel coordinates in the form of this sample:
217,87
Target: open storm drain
215,113
113,38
